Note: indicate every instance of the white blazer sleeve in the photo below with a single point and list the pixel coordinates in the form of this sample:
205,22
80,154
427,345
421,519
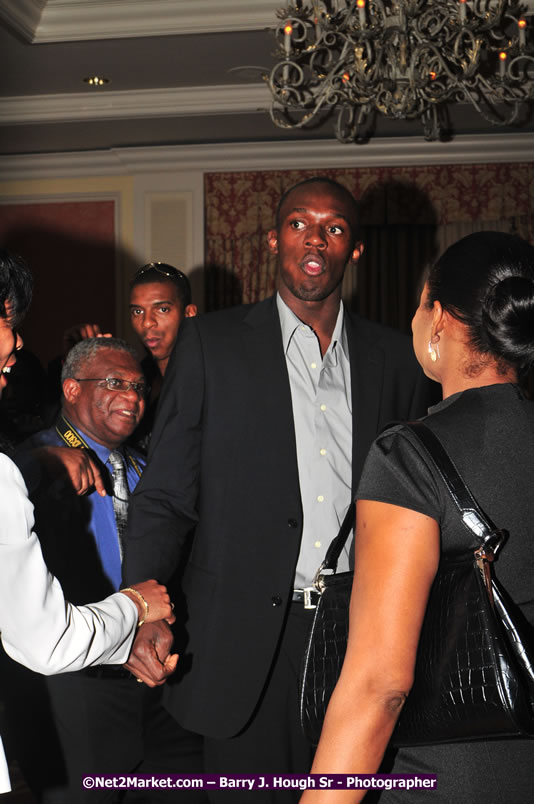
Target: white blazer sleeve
39,628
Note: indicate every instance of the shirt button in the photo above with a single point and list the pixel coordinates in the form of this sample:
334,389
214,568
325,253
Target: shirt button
323,407
317,544
313,365
292,523
323,452
320,498
276,600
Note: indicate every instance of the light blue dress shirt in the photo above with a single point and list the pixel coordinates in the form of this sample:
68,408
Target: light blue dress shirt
322,412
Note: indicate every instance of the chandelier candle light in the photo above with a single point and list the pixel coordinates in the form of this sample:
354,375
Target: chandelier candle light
404,59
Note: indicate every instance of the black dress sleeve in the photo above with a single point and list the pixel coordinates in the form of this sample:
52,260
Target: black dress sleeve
397,472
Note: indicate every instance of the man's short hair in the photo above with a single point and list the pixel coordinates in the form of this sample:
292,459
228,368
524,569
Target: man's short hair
16,285
322,180
162,272
85,350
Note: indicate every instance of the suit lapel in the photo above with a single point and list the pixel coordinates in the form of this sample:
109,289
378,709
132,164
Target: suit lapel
268,386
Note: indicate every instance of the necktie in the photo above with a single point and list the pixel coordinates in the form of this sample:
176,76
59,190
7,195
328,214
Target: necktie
120,494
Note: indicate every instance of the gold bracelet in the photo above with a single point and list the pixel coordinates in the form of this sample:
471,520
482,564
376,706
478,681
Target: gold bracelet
141,598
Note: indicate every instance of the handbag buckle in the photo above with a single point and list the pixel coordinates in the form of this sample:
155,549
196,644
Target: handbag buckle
491,545
318,583
308,604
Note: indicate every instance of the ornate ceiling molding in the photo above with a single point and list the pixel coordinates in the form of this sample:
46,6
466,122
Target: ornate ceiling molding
109,105
23,16
269,156
75,20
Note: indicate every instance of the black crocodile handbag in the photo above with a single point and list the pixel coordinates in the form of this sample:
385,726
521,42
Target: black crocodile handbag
327,641
474,674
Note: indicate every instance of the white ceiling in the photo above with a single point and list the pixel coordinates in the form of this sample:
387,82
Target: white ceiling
176,70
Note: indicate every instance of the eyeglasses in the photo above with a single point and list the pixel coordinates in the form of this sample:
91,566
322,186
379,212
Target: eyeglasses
161,268
116,384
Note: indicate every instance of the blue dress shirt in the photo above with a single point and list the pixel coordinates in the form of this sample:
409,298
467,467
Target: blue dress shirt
102,522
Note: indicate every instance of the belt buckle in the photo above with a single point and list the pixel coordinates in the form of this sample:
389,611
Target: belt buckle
308,597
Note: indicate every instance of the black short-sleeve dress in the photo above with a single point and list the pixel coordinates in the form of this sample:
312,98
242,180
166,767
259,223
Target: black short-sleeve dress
489,432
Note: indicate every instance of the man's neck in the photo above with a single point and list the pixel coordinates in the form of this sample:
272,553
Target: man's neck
321,316
162,365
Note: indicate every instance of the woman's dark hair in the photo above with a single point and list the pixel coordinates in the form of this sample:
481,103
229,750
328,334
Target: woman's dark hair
16,285
486,281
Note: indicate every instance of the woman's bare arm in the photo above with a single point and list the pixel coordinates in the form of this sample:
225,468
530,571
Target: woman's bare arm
396,559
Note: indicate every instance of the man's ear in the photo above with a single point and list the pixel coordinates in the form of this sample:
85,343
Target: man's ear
190,311
272,240
71,390
357,251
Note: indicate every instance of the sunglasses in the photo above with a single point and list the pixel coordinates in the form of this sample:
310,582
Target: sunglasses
161,268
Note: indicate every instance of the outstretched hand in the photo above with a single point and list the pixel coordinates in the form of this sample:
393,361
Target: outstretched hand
81,468
81,332
150,660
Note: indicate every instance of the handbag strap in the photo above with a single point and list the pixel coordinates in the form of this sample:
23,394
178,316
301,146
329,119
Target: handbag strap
489,537
336,546
473,517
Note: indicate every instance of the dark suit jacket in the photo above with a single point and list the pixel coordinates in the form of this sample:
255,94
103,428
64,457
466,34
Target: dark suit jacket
223,464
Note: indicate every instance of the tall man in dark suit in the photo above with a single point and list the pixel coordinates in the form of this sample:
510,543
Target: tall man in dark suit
265,418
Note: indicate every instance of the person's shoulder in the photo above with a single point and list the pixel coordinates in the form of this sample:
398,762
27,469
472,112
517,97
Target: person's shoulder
378,333
229,322
385,343
7,467
10,475
228,315
46,437
400,444
479,409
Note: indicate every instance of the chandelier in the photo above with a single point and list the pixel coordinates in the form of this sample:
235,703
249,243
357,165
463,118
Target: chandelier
404,59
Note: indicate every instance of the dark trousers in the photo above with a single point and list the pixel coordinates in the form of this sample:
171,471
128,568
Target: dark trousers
65,727
273,741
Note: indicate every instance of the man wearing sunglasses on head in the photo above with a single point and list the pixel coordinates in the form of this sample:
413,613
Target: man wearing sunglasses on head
99,720
160,299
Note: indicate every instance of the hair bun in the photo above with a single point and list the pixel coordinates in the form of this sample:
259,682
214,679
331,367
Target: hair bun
508,317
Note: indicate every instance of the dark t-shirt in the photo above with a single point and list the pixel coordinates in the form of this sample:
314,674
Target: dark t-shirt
489,433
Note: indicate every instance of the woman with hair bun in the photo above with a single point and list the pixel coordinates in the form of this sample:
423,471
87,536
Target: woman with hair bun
473,332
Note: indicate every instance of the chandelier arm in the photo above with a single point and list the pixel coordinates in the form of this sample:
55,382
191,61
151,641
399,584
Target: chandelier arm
505,120
348,14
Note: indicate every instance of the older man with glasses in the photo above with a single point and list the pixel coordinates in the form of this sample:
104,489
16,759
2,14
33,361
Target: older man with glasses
39,628
100,719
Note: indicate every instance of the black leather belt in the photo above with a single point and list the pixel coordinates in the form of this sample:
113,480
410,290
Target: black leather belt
308,597
107,671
